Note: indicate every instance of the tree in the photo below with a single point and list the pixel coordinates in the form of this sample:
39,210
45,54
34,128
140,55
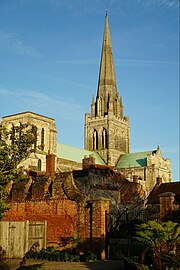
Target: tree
15,146
3,204
154,235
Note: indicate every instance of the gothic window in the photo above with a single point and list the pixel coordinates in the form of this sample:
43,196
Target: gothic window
42,138
39,165
34,130
104,139
95,140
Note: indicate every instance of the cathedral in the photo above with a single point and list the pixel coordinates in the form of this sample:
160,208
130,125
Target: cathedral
106,134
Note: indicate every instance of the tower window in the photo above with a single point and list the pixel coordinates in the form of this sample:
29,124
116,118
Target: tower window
104,139
95,140
42,138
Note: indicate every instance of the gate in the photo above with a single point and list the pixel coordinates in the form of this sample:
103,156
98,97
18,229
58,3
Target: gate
37,233
121,227
16,237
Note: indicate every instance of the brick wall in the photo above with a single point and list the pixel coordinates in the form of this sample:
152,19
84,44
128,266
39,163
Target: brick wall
61,216
50,165
97,226
166,203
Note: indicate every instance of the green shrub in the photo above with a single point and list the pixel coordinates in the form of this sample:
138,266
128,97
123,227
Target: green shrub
51,254
76,257
50,249
66,256
90,256
131,263
140,266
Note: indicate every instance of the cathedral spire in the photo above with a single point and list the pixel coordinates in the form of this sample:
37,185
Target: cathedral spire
106,128
107,79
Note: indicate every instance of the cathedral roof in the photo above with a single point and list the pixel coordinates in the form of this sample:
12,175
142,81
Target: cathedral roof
76,154
138,159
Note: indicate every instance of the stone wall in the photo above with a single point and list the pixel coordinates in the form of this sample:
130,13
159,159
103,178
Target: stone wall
157,166
46,134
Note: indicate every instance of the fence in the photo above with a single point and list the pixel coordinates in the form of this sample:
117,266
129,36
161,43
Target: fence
16,237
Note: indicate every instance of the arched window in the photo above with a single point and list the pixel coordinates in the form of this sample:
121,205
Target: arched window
42,138
39,165
104,139
95,140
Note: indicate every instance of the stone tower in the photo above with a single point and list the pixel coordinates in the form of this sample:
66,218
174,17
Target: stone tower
106,128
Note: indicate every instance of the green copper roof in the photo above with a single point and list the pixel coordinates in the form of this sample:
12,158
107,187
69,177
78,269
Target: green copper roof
138,159
76,154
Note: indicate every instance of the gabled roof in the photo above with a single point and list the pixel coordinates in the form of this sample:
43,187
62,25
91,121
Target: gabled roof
138,159
26,113
76,154
173,187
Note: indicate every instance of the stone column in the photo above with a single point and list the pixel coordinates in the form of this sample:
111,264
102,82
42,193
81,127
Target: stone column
100,207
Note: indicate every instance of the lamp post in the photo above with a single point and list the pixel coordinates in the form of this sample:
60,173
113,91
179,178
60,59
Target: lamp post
89,206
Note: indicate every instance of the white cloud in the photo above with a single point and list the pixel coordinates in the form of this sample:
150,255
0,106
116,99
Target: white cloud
11,42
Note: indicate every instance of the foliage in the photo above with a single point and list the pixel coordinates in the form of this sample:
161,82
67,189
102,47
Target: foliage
154,235
52,254
3,204
133,264
15,146
90,256
150,233
170,262
73,240
171,234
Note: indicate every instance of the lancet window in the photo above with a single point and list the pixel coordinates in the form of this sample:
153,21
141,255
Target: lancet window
95,140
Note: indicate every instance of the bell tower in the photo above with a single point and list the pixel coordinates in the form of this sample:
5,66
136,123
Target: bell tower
106,128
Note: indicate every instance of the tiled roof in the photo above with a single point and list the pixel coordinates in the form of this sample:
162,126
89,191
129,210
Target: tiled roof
138,159
173,187
76,154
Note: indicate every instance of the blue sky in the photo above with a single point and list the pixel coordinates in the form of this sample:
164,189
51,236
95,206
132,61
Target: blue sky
49,63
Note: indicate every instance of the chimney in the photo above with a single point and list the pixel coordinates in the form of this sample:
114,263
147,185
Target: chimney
88,162
166,201
158,180
50,165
